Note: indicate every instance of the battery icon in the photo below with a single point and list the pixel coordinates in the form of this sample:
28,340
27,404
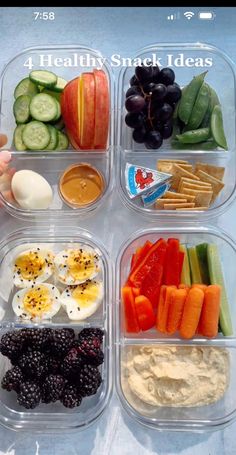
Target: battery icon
206,15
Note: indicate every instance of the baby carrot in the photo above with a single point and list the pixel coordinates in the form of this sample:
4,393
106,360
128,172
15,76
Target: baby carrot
191,314
176,307
210,311
203,287
161,304
183,286
162,321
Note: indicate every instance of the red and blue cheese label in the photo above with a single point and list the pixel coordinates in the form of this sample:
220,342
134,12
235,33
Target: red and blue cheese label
140,180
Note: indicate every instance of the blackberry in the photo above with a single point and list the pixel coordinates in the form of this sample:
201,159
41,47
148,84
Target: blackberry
72,363
35,339
88,380
53,365
53,388
61,341
97,360
12,379
29,395
91,333
33,364
90,350
11,346
71,397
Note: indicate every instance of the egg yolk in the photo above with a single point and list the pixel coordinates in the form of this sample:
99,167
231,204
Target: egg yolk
81,264
86,293
37,301
30,265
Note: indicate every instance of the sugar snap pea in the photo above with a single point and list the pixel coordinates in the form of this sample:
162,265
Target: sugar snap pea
194,136
200,107
205,146
189,97
214,100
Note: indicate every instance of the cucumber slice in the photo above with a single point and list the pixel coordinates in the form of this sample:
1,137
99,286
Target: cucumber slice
202,258
54,138
21,108
25,87
59,125
58,111
56,95
17,138
194,266
63,142
60,85
43,77
43,107
185,274
36,136
216,277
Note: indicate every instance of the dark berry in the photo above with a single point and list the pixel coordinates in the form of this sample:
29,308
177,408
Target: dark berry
53,365
166,76
89,349
167,130
35,339
71,397
134,90
134,103
88,380
12,379
29,395
134,120
91,332
133,81
173,93
148,88
52,388
11,345
61,342
153,140
164,112
159,92
139,135
33,364
144,73
155,73
72,363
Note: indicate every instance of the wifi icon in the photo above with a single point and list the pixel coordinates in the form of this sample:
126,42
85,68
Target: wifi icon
189,15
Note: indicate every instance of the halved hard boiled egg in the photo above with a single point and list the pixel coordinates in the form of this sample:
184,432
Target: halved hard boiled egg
41,301
75,266
83,300
32,267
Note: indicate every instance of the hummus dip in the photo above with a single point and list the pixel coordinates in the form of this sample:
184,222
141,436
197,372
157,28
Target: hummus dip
175,375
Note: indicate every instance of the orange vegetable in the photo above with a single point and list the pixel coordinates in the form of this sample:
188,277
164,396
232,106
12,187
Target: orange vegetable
191,314
131,320
176,308
163,307
208,326
203,287
145,313
161,304
183,286
136,291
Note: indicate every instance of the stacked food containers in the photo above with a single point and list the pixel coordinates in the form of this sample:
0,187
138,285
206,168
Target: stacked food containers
187,226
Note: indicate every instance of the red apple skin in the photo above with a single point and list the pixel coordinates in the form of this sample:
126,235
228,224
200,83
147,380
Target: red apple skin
102,109
70,111
87,111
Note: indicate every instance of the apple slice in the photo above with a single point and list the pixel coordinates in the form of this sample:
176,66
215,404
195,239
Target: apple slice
87,108
70,102
102,109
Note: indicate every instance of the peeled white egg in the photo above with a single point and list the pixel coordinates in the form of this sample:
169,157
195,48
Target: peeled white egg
41,301
31,190
75,266
83,300
32,267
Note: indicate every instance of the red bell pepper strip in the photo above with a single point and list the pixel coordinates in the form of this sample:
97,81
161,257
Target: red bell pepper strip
145,313
136,292
171,269
151,284
140,254
156,254
131,321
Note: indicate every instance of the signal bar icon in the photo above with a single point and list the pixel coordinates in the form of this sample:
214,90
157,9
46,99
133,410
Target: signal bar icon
173,17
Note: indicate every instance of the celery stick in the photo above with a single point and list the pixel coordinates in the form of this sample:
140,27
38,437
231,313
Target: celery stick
194,266
185,274
202,259
216,277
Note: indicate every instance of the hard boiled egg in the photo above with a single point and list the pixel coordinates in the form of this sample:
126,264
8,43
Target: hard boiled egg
75,266
32,267
83,300
41,301
31,190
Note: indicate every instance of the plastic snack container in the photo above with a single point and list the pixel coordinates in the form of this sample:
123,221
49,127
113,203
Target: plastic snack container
73,60
195,419
187,60
54,417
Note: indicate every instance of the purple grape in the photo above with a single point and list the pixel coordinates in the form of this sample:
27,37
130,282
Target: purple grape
155,73
139,135
167,130
144,73
173,93
148,88
159,92
135,103
133,81
134,120
166,76
153,140
134,90
164,112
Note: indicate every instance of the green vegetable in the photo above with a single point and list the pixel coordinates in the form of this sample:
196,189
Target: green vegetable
36,136
208,145
189,97
44,107
25,87
194,266
59,125
214,100
63,142
217,127
185,275
200,107
53,138
60,85
43,77
194,136
17,138
21,108
202,259
216,277
56,95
